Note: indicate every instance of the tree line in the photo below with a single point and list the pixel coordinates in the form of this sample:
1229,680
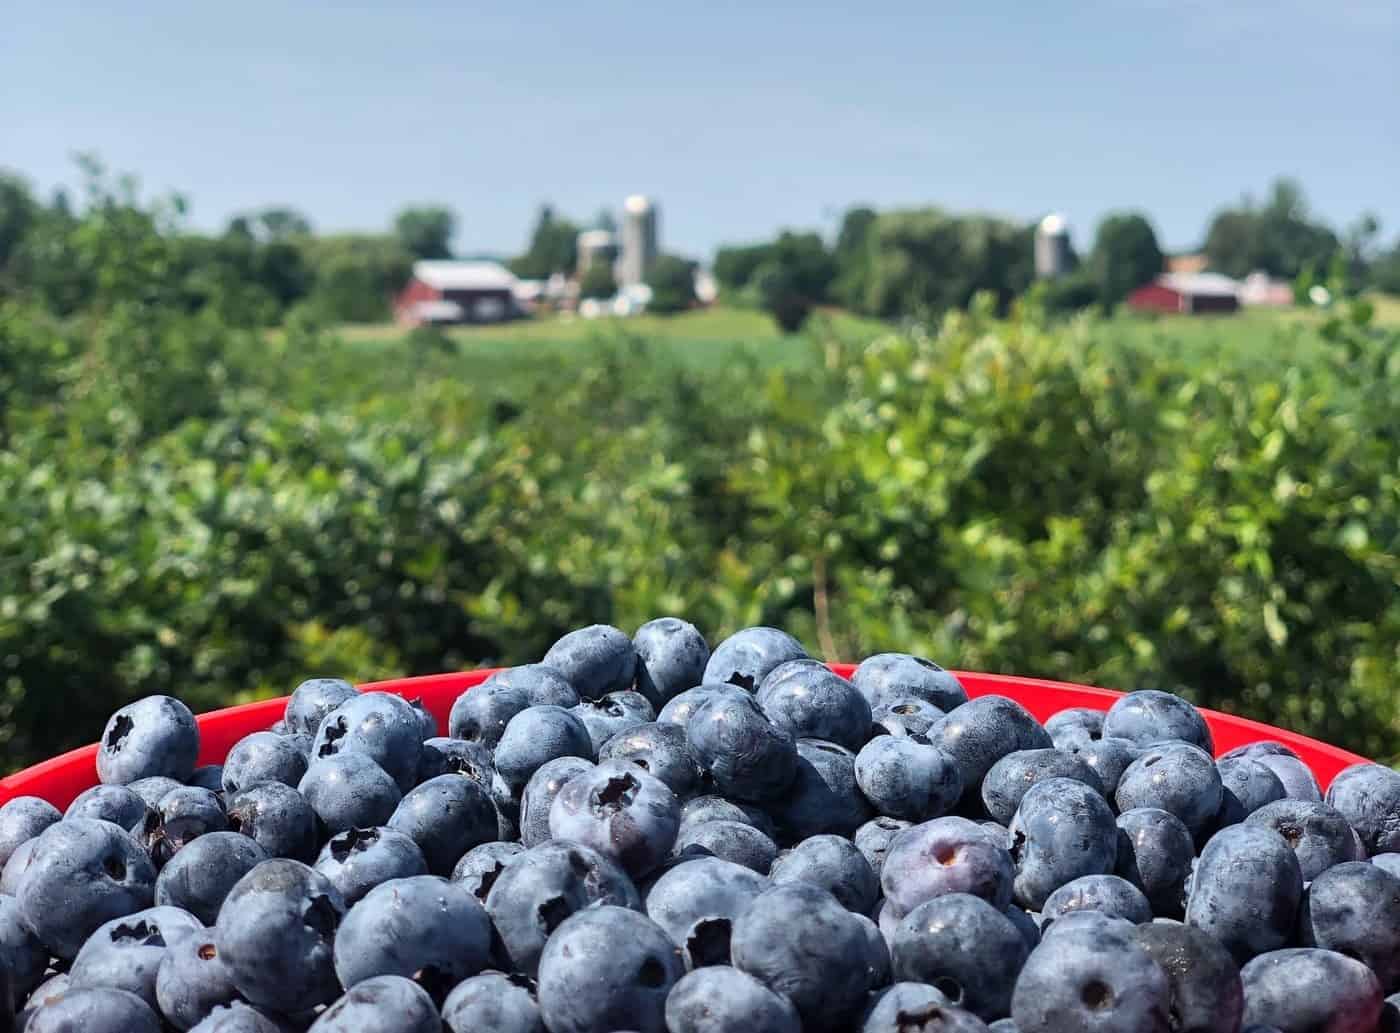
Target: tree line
923,262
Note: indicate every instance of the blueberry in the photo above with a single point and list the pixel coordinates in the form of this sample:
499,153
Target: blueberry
595,660
729,840
1262,748
425,718
907,777
536,735
359,859
383,727
1155,852
383,1004
1297,777
494,1002
1062,830
200,876
946,855
276,933
16,866
1180,779
917,1006
1108,757
620,811
607,968
1246,890
720,999
182,816
798,668
834,864
543,887
671,657
1027,925
1151,716
238,1017
679,708
49,990
1246,785
278,818
262,757
111,803
800,942
746,657
1096,922
1091,980
661,749
1307,989
964,947
904,715
125,953
313,699
873,839
211,776
1206,993
1354,909
481,866
544,686
423,928
734,742
824,797
539,794
153,736
1075,726
815,703
446,816
1108,894
608,715
1318,834
192,980
82,873
22,956
1009,778
700,809
878,967
1368,796
480,714
94,1010
696,903
1388,862
349,790
979,733
887,676
152,789
446,756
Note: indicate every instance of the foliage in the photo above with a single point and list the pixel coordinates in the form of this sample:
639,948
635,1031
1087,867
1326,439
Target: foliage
426,232
852,256
355,276
1125,256
553,247
597,281
1281,237
672,282
735,265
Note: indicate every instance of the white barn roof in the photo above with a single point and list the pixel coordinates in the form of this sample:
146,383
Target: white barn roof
1207,284
446,275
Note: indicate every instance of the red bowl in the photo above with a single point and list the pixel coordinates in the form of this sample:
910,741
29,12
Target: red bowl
61,779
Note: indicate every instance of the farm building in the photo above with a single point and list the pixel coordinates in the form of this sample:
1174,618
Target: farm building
1188,293
457,292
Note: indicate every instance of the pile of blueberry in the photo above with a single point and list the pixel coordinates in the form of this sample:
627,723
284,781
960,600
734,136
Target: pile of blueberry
639,834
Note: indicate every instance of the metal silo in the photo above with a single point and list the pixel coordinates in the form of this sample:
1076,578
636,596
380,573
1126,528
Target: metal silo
1052,252
639,240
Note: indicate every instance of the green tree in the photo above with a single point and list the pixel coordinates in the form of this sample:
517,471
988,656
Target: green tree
781,297
18,212
736,264
852,257
355,276
426,231
553,247
1125,256
672,283
1281,237
597,281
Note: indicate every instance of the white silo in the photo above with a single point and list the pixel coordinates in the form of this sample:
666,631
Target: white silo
1052,251
639,240
596,246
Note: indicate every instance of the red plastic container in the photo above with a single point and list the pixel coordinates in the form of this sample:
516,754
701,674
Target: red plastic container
61,779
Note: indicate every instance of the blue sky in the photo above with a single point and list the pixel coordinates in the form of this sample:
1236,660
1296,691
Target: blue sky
739,117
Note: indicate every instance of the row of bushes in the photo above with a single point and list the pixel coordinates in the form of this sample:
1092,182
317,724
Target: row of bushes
190,509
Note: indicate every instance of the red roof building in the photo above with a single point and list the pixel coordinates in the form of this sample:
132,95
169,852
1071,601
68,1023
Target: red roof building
457,292
1187,293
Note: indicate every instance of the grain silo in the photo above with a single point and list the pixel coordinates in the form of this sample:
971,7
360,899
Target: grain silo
1052,250
639,240
596,246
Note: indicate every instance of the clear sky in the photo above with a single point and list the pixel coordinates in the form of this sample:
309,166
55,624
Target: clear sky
739,117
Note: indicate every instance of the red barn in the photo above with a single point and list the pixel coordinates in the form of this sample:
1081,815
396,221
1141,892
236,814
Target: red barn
1188,293
457,292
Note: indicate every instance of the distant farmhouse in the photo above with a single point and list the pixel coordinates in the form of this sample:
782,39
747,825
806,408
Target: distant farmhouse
1187,293
445,291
